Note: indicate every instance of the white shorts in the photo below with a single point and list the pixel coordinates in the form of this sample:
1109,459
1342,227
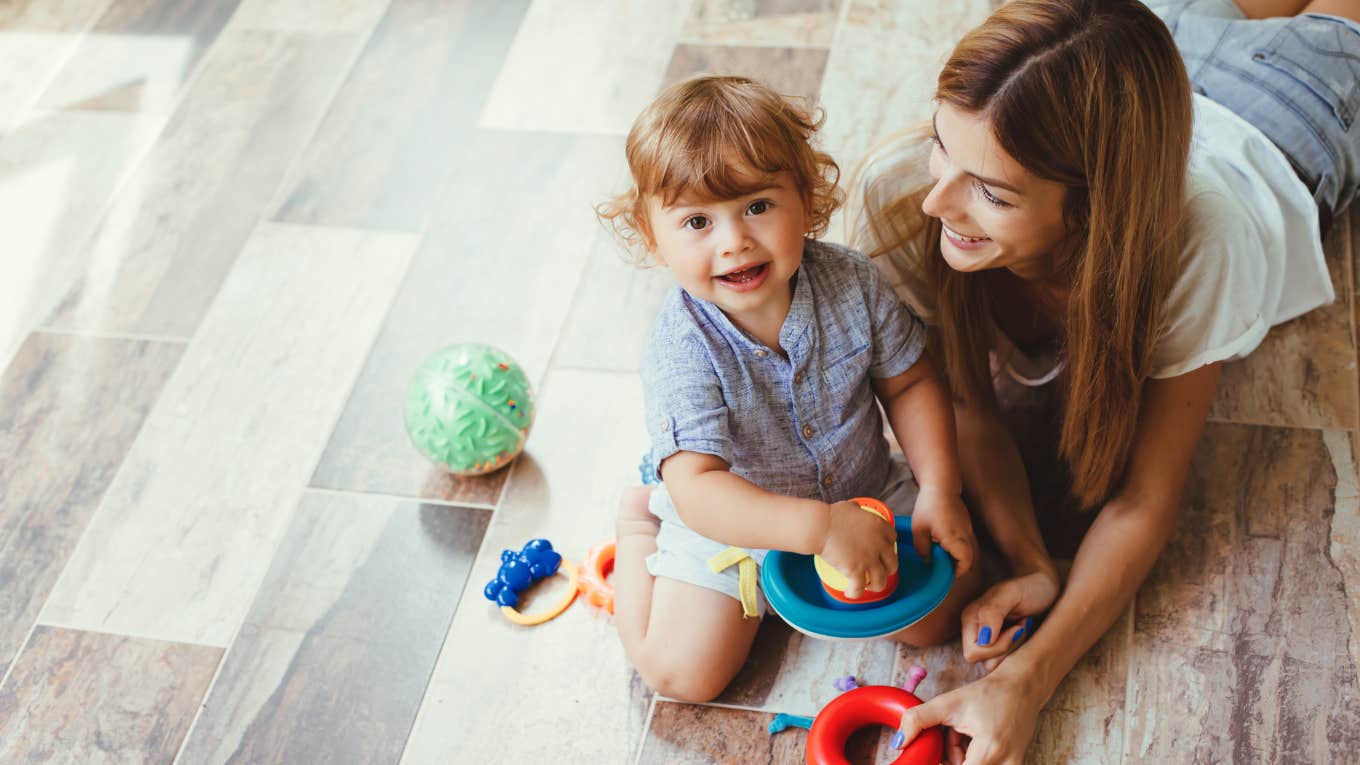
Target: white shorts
683,555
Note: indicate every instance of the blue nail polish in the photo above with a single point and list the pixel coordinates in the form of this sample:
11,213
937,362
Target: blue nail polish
1018,634
899,740
985,636
1029,624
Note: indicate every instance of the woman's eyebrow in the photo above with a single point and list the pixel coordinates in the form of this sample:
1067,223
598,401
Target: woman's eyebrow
984,179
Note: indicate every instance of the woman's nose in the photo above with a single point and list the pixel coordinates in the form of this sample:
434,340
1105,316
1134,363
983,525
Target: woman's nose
939,202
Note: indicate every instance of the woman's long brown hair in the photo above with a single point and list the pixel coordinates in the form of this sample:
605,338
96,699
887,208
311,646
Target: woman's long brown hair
1091,94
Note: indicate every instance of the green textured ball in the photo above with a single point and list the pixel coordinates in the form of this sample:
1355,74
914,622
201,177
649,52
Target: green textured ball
469,409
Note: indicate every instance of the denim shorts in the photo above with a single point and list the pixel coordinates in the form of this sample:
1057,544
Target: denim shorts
1297,79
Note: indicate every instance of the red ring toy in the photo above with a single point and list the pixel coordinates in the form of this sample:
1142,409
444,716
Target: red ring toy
595,569
859,708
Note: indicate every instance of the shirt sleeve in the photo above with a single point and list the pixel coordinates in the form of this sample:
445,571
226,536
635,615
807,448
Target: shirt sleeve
1216,309
684,402
899,336
897,170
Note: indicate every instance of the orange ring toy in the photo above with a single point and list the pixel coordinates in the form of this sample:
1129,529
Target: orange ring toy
860,708
595,569
526,620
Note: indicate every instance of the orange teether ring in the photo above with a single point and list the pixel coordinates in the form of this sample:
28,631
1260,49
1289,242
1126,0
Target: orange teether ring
595,570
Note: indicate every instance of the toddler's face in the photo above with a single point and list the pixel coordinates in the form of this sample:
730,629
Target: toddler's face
737,253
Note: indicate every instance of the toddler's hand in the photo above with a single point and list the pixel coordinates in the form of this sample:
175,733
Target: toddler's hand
859,544
940,516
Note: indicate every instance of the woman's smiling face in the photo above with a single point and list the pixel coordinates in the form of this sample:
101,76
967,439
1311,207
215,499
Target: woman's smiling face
996,214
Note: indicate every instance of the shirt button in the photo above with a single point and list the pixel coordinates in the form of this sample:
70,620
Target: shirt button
798,378
761,353
827,482
665,425
807,431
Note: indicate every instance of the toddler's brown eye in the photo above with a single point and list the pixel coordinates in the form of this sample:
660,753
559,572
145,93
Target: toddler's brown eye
697,223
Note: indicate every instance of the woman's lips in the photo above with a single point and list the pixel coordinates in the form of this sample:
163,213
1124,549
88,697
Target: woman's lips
964,242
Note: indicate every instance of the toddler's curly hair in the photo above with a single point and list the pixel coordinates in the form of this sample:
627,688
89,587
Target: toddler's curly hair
719,138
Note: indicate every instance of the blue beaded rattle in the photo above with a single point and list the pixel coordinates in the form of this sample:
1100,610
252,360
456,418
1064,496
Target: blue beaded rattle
521,570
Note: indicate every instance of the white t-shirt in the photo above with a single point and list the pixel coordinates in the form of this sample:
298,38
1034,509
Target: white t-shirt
1252,257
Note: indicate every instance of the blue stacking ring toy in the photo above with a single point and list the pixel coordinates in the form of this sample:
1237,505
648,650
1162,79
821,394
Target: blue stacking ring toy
795,593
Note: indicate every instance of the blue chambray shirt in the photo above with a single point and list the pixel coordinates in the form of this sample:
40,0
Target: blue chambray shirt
807,426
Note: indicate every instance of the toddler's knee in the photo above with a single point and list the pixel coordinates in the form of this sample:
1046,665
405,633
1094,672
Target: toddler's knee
676,680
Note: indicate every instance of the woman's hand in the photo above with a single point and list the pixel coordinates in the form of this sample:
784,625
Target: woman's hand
999,621
990,721
940,515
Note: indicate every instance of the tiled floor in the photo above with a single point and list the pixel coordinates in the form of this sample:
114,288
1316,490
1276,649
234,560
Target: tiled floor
233,230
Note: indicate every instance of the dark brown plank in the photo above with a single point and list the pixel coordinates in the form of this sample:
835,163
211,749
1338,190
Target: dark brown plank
695,734
70,408
89,698
333,660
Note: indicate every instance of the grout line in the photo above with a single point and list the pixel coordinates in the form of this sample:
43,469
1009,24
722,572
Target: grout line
10,670
1279,425
131,336
207,692
769,45
403,498
1128,679
646,728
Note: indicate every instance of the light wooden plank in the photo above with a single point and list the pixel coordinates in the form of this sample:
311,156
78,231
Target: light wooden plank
186,532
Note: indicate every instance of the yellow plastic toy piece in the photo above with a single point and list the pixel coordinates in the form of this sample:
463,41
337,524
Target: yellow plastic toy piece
573,587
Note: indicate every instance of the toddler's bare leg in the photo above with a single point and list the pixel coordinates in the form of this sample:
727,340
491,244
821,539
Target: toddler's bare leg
942,625
1345,8
687,642
636,539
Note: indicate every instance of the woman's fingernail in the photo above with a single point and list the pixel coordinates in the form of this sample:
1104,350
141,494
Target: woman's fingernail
1018,634
899,740
1029,624
985,636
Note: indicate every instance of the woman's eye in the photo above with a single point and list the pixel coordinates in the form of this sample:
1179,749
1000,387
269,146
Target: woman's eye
758,207
990,197
697,222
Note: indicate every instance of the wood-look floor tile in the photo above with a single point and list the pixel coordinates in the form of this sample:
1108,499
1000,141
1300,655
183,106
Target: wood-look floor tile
185,534
795,72
402,119
58,174
507,247
88,699
1304,373
1084,720
562,691
1242,645
69,410
138,55
334,656
50,15
617,300
791,672
309,16
179,223
881,75
784,22
607,59
36,39
695,734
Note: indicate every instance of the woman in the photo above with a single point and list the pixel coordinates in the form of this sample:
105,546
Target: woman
1091,225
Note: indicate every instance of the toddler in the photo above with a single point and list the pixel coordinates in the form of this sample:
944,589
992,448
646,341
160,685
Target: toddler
760,380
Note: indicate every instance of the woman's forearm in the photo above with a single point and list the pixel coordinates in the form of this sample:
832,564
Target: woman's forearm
997,489
1112,562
